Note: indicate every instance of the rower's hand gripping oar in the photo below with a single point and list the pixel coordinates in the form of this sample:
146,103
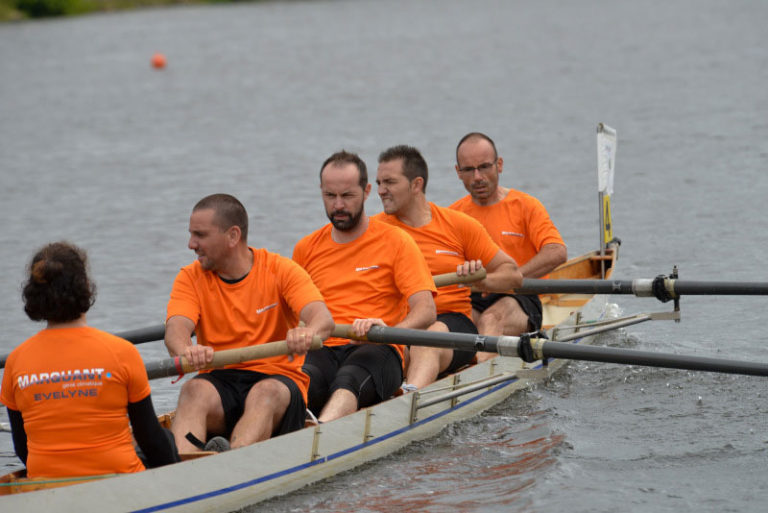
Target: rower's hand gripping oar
443,280
533,349
178,366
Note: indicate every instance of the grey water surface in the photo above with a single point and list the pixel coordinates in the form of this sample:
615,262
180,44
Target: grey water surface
98,148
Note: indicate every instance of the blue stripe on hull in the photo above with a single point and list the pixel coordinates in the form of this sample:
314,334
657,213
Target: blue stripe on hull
340,454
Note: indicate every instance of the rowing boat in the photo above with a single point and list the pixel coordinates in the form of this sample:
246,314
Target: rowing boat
231,480
235,479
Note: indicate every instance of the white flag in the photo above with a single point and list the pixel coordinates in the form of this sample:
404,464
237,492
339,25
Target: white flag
606,156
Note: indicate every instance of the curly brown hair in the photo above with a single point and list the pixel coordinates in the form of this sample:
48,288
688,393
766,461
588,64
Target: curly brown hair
58,288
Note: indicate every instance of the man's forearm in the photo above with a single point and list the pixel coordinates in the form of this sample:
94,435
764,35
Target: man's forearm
178,335
504,278
550,256
422,312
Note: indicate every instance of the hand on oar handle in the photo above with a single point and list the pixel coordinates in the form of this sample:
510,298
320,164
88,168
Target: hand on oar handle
180,365
346,331
442,280
246,354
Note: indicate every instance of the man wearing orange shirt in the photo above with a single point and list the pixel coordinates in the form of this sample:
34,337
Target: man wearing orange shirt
234,296
450,241
518,223
369,273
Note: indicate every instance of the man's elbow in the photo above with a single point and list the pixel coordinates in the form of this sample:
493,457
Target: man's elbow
327,326
562,254
428,314
432,316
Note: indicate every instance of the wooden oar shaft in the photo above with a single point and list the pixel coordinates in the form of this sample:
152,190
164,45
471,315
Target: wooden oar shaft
543,348
442,280
180,365
644,287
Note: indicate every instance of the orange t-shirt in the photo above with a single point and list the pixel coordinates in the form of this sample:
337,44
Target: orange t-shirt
447,241
259,308
519,224
372,276
72,387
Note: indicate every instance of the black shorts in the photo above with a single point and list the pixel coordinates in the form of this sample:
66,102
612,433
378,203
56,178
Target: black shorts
373,372
531,305
458,323
233,386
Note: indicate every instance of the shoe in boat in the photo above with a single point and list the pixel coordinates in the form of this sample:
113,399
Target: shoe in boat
217,444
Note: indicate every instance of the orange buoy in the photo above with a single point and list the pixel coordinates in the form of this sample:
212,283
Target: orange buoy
158,61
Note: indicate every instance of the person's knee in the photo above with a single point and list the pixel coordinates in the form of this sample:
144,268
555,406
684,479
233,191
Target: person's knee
357,381
317,394
505,317
197,392
270,394
348,379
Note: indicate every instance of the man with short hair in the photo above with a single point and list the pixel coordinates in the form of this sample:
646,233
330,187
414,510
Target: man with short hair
518,223
370,273
450,241
235,296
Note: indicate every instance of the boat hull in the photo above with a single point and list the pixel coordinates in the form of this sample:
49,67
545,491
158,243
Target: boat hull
235,479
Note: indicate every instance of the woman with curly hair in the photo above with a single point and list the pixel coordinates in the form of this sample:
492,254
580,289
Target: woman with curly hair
73,392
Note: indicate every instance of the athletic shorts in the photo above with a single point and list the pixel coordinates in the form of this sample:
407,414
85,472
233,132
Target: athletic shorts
458,323
531,305
373,372
233,386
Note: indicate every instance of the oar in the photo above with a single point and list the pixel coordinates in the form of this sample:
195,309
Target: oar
137,336
661,287
153,333
443,280
141,335
532,349
178,366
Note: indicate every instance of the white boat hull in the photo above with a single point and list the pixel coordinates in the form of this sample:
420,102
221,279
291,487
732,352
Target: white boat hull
235,479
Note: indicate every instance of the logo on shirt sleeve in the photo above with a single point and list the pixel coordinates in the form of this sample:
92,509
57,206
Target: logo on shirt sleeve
506,233
368,268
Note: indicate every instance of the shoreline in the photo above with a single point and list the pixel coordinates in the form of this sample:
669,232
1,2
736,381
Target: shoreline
26,10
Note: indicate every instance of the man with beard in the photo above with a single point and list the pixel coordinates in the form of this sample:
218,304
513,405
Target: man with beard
519,224
370,273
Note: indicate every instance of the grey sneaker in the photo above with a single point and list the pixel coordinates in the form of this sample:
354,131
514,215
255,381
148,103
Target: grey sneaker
217,444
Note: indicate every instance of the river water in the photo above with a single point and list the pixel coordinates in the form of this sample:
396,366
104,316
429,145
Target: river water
100,149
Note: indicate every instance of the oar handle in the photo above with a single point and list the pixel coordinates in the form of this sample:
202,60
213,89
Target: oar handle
179,365
443,280
246,354
345,331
